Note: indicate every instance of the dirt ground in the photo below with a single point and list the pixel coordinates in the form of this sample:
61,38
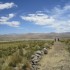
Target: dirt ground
57,58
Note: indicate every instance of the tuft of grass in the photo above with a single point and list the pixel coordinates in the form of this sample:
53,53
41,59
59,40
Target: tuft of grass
67,42
19,52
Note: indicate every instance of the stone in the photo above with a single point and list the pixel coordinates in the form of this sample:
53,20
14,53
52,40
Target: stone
45,51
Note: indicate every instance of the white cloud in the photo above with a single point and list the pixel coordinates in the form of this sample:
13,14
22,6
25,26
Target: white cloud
67,7
7,5
12,23
58,20
5,21
39,18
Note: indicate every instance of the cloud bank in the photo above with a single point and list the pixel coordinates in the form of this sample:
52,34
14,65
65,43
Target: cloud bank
7,5
57,18
4,20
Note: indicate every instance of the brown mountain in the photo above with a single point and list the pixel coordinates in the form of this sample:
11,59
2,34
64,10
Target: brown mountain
10,37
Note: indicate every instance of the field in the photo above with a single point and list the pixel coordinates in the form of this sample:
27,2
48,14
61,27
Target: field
16,54
67,42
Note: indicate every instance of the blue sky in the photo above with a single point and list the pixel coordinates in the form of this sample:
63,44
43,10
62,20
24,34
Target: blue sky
34,16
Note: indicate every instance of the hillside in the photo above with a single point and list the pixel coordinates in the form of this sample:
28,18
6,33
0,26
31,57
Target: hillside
10,37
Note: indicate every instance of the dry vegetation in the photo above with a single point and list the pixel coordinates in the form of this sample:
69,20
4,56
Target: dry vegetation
17,54
67,42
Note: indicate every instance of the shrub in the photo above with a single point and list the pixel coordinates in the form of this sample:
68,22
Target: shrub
15,59
7,68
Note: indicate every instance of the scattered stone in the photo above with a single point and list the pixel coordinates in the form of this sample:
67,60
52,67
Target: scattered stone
37,57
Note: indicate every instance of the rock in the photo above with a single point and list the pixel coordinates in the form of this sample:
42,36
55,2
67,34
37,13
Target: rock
45,51
37,57
32,56
39,52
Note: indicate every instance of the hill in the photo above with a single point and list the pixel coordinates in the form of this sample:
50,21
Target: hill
12,37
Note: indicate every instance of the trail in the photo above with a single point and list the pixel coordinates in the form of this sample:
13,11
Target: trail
57,58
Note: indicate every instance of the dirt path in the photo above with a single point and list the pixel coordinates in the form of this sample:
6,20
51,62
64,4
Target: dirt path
56,59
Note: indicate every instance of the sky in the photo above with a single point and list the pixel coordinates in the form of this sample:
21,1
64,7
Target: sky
34,16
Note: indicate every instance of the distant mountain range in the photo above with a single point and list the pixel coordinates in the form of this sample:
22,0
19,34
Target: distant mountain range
12,37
